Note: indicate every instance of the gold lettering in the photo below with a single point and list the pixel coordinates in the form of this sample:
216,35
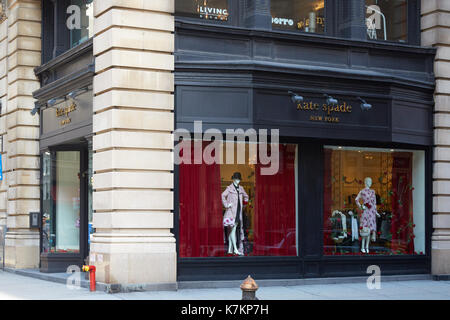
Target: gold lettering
65,121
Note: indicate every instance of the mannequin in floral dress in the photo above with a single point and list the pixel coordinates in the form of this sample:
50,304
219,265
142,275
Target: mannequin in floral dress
368,221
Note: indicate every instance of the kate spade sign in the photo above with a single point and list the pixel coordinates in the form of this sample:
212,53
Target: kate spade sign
325,112
64,114
68,115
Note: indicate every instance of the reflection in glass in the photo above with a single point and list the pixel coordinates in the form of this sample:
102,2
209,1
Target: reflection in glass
301,15
255,218
203,9
86,30
61,202
386,20
374,201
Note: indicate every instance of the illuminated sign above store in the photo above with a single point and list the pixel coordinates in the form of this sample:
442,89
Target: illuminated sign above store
212,13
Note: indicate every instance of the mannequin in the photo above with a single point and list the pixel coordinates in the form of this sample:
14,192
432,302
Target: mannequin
368,223
233,199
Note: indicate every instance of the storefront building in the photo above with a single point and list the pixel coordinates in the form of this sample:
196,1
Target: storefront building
354,91
351,102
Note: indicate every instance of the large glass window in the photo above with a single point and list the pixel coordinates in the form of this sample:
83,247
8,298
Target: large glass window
86,22
61,202
301,15
387,20
374,201
203,9
233,207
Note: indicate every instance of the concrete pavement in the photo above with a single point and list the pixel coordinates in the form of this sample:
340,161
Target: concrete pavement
17,287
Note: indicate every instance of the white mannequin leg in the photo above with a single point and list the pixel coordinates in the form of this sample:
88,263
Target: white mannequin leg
363,245
232,241
367,244
230,244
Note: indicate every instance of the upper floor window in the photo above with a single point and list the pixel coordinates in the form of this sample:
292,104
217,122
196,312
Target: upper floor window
217,10
387,20
301,15
85,28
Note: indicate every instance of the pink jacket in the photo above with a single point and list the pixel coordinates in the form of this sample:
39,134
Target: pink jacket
230,196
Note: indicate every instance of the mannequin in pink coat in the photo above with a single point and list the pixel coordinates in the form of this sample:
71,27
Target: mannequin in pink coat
233,199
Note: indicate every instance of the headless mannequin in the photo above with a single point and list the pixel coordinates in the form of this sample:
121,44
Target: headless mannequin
232,247
365,231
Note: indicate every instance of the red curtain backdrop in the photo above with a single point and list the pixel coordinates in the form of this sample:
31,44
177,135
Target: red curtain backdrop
275,229
200,223
327,203
402,204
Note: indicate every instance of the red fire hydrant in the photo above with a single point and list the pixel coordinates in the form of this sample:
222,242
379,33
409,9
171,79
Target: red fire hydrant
91,270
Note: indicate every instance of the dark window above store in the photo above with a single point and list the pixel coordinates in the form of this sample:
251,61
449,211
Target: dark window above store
66,25
299,15
371,20
387,20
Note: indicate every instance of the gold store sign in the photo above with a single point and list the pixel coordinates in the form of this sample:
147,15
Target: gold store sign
65,112
324,112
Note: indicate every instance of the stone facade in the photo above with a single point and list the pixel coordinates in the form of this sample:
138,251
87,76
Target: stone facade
133,142
20,52
436,32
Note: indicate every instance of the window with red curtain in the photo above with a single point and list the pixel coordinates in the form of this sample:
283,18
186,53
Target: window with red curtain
384,205
268,202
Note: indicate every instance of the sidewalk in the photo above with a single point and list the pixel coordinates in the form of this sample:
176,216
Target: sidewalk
17,287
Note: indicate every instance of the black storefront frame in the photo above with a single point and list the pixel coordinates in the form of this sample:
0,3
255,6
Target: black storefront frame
58,262
311,262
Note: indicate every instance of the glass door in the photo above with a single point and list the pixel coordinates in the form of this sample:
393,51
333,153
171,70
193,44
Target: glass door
64,208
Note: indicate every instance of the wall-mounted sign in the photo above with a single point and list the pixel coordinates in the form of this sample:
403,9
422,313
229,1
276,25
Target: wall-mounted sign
325,112
35,220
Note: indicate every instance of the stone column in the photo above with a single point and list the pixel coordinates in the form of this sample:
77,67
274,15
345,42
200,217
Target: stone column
352,19
133,143
257,13
24,54
435,32
3,101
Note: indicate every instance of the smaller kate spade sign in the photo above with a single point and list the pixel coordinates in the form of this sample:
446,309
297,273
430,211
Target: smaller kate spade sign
64,113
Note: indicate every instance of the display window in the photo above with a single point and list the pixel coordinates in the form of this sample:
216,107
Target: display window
387,20
374,201
217,10
300,15
61,202
236,210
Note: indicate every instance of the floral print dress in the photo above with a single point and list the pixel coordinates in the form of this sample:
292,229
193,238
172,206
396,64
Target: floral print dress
369,215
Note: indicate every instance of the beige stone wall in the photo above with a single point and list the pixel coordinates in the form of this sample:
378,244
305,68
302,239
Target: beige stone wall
133,142
436,33
20,50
